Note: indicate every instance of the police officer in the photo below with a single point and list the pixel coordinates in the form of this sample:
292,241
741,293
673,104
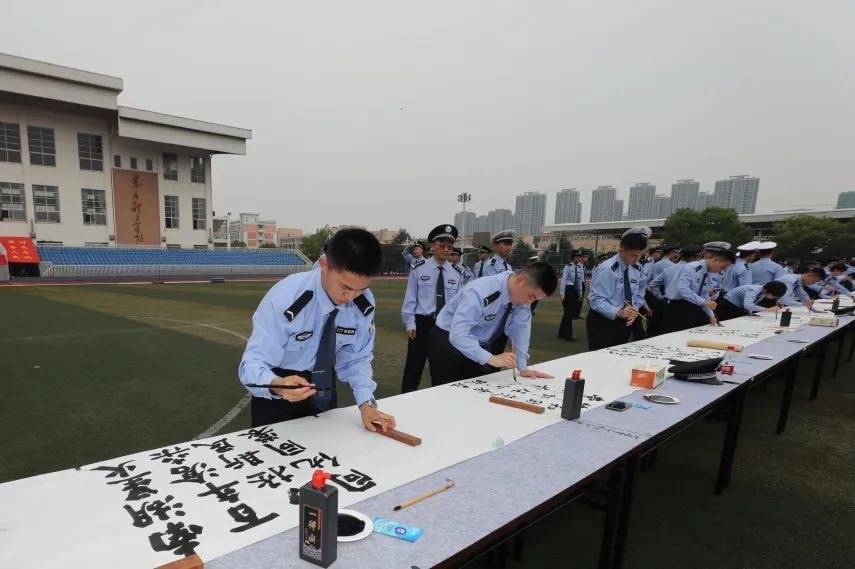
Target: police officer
570,289
318,326
617,294
484,253
764,269
798,285
658,302
666,281
469,337
417,254
831,285
583,267
739,273
692,302
670,255
748,299
458,265
431,284
503,242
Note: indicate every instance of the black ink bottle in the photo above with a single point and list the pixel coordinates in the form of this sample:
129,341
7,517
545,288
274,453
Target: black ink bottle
835,304
319,520
786,317
574,389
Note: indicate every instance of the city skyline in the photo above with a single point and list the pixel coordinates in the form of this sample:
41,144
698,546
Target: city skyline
737,192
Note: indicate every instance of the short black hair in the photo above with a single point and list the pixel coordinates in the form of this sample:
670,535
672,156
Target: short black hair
837,267
816,271
689,252
543,276
775,288
355,250
729,256
634,242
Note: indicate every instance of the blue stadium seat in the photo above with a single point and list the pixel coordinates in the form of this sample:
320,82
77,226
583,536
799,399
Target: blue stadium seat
131,256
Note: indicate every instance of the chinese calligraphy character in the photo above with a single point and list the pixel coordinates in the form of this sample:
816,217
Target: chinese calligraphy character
355,481
247,516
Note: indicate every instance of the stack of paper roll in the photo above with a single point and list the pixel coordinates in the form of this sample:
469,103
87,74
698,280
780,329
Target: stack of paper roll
696,343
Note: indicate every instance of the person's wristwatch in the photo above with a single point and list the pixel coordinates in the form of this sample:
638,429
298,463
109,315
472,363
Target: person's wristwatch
370,403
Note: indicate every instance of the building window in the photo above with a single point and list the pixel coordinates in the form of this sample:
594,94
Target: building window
170,167
90,152
94,206
12,206
149,165
197,169
10,142
117,161
42,146
46,203
170,209
133,163
199,214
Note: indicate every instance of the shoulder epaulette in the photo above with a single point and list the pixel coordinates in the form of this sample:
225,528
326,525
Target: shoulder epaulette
458,269
298,305
493,261
364,305
698,268
419,263
615,266
492,298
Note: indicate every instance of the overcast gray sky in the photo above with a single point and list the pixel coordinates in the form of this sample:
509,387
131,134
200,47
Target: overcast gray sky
379,113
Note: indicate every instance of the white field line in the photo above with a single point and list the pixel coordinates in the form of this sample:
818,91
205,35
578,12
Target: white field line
238,407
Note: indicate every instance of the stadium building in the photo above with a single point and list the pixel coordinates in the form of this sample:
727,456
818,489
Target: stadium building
78,170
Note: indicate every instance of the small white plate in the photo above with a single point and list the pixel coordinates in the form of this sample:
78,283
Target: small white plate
366,531
660,398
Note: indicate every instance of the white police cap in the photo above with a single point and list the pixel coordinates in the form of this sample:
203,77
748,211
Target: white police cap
645,232
506,236
749,247
717,246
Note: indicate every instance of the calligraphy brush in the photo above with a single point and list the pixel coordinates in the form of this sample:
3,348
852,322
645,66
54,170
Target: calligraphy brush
426,496
629,305
274,386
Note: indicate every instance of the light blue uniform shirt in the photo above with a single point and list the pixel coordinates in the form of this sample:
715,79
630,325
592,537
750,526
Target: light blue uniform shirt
738,274
420,297
277,341
476,268
659,266
747,297
607,291
573,275
688,285
646,273
666,281
496,265
473,316
410,258
766,270
465,272
796,293
834,287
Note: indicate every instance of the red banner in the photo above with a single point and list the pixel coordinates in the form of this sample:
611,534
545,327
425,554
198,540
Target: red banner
20,249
